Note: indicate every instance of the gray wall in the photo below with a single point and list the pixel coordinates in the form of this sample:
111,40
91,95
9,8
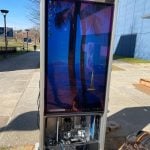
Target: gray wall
132,31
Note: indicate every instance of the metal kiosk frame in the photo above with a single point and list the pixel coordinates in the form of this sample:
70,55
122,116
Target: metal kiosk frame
42,71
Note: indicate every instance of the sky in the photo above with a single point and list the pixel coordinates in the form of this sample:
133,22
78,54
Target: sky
18,14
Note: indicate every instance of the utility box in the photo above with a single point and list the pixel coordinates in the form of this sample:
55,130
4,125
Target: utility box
75,70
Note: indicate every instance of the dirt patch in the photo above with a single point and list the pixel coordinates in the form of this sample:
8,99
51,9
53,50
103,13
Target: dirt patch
145,82
26,147
3,121
116,68
142,88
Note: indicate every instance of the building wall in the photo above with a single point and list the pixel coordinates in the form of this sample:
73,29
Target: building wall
132,31
9,32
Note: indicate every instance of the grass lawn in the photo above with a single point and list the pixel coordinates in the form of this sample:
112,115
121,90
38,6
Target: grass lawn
130,60
19,44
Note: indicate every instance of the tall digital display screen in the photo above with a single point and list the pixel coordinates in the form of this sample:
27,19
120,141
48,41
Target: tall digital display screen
78,35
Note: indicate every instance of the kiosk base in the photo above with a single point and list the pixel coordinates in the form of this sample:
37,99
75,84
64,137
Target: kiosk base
72,133
93,146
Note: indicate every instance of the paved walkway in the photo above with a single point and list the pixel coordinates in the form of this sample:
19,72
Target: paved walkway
19,80
128,106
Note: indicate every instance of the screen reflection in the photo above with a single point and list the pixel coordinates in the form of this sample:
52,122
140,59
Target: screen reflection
78,44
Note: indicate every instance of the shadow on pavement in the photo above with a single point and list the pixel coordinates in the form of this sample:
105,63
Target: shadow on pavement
131,120
29,60
24,122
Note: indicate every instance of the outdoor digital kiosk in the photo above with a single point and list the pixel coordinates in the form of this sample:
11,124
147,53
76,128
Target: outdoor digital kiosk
75,59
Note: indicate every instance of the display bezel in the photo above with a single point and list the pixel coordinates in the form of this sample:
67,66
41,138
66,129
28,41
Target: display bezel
63,113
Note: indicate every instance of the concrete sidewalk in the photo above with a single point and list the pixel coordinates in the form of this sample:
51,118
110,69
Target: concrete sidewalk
19,89
128,106
19,80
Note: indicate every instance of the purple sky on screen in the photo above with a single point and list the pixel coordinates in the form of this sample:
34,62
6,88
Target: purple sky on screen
98,25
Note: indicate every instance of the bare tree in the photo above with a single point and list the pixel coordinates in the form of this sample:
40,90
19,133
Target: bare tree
34,11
